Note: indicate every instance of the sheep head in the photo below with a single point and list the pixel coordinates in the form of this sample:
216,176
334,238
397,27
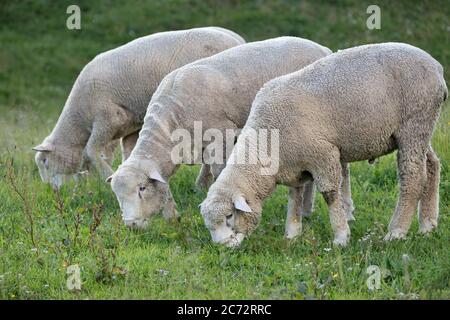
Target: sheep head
56,164
141,192
229,216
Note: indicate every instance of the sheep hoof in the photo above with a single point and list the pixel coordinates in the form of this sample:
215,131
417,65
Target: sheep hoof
396,234
427,226
292,233
341,239
293,227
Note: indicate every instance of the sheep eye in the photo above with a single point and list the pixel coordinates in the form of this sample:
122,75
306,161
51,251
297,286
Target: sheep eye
229,216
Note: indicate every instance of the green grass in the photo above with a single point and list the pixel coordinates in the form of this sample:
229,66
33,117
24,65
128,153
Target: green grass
40,59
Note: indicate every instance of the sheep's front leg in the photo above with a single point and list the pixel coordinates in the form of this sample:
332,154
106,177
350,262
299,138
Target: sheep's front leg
429,202
109,152
309,191
309,195
112,120
170,212
338,217
204,178
294,216
96,151
327,174
127,144
347,192
216,169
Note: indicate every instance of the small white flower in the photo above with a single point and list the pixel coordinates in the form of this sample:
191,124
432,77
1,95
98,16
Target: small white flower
163,272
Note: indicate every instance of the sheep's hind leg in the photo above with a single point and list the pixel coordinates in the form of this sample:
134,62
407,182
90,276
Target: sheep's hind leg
347,192
429,202
127,144
412,175
294,217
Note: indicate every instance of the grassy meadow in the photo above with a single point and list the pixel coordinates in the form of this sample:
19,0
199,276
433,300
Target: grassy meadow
42,233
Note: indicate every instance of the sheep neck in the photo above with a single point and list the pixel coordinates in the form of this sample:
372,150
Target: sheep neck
155,141
248,180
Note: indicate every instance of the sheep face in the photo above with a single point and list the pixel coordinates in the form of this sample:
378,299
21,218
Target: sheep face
228,218
140,195
53,167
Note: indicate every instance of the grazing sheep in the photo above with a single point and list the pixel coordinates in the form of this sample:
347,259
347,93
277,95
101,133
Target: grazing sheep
110,97
218,91
356,104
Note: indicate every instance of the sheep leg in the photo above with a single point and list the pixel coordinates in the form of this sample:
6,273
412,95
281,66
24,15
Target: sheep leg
216,169
294,216
307,204
209,171
347,192
429,202
309,195
327,175
338,217
103,134
96,151
109,152
169,211
412,175
127,144
204,178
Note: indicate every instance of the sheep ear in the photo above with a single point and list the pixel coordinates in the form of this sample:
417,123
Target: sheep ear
154,174
45,147
241,204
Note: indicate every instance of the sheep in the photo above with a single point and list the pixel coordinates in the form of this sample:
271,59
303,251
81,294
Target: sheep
356,104
218,91
110,97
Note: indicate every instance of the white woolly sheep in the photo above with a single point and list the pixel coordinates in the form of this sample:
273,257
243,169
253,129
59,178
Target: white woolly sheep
110,97
356,104
218,91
